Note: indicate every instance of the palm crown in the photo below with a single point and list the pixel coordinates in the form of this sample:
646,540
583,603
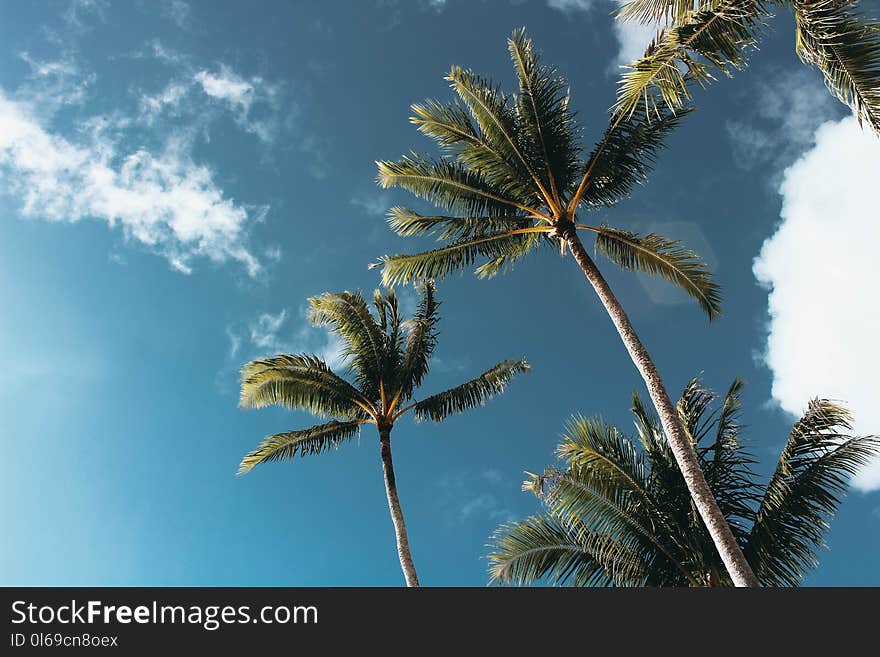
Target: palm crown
388,360
705,35
620,514
512,177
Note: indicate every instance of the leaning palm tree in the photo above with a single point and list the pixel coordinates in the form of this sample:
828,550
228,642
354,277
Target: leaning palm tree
619,514
699,36
388,360
513,179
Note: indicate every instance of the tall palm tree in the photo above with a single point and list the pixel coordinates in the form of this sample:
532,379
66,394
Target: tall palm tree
619,513
700,36
512,178
388,360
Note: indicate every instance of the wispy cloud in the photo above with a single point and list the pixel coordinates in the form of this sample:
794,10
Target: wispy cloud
820,268
374,205
785,110
571,5
80,13
476,496
284,332
178,12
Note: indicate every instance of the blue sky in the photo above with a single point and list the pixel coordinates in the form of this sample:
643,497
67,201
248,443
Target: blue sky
179,177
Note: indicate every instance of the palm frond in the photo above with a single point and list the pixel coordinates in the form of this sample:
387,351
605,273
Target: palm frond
544,119
669,489
298,381
590,503
407,223
842,43
450,185
451,127
388,311
475,392
348,315
625,155
502,249
420,341
653,254
496,119
542,546
716,35
305,442
804,492
661,11
724,461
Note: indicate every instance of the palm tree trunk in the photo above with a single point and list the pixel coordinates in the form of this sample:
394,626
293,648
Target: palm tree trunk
406,562
682,447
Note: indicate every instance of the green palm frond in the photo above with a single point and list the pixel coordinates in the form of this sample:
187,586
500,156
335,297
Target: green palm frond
496,119
804,492
661,11
626,154
725,464
475,392
298,381
388,311
450,185
686,529
715,36
545,122
836,38
406,223
501,249
420,341
348,315
305,442
542,546
653,254
605,490
451,127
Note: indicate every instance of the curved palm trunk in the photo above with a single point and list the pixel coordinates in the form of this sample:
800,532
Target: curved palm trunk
406,562
682,447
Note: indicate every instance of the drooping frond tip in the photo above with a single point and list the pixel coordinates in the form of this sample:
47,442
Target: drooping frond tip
653,254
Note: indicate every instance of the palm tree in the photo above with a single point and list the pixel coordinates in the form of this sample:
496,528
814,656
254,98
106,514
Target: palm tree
619,513
701,35
388,360
512,178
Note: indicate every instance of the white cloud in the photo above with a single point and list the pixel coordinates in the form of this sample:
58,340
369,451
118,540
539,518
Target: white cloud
821,269
163,200
241,95
227,85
